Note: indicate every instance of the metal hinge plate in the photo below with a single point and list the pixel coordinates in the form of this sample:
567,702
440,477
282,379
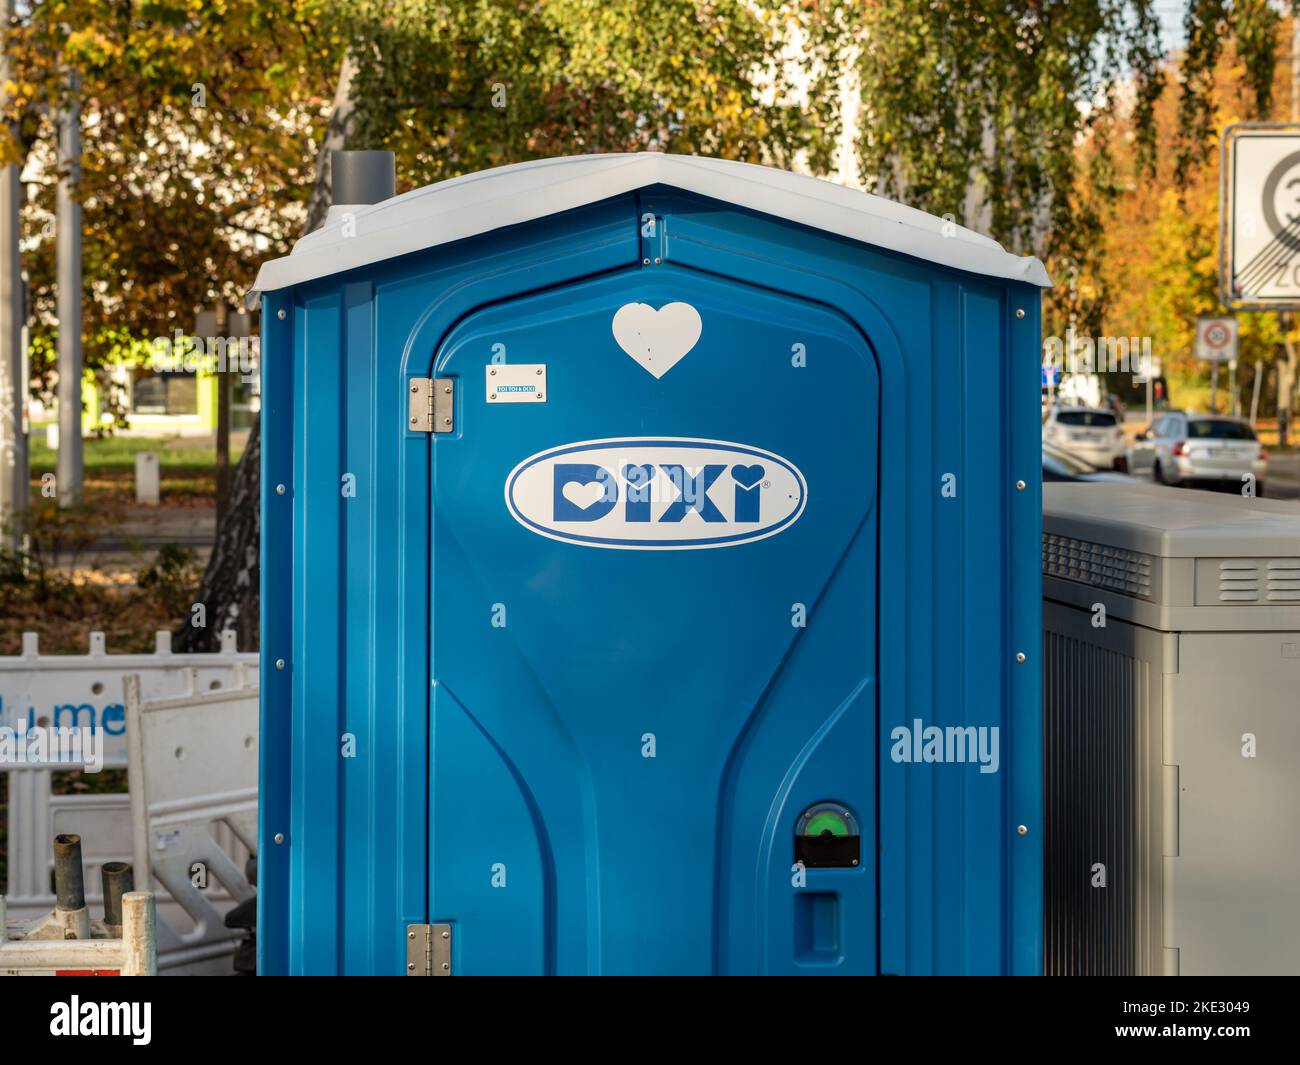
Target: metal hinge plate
431,404
428,950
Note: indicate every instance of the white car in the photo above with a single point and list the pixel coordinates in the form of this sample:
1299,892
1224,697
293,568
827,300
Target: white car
1192,449
1091,433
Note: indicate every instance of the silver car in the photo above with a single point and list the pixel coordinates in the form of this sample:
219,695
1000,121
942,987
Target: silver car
1201,449
1061,465
1091,433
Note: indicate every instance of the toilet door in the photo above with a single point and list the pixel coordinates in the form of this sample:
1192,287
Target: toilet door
653,604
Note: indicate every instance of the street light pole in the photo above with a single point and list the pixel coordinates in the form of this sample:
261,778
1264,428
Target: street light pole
13,385
1286,365
211,328
67,224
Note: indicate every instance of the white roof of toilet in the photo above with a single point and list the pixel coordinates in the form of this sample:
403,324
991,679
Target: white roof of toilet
505,196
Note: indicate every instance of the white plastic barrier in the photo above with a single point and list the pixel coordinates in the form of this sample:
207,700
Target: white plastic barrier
48,947
193,766
86,690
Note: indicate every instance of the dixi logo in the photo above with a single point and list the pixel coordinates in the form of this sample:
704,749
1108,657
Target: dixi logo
656,494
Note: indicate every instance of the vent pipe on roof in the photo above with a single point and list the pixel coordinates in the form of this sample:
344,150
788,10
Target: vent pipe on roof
359,178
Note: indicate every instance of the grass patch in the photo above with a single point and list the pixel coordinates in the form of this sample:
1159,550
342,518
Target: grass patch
187,467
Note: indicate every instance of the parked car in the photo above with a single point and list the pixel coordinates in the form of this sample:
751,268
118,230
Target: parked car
1091,433
1201,449
1061,465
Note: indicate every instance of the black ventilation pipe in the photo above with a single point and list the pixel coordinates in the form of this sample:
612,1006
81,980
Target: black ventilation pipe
362,177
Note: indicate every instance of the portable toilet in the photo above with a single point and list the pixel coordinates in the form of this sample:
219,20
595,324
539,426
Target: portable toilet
649,581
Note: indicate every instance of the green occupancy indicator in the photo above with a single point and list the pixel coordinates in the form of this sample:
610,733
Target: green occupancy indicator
827,819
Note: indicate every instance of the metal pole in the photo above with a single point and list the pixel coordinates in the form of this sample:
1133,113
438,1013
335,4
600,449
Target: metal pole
69,889
1295,69
210,328
223,418
117,881
1286,365
13,383
1214,387
1254,399
68,269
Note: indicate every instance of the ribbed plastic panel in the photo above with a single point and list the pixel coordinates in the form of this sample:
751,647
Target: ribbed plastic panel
1283,580
1100,565
1239,581
1093,716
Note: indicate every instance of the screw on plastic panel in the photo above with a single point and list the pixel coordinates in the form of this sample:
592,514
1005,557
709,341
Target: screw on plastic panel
280,314
279,663
540,395
279,489
539,372
1020,486
1020,656
645,262
658,261
1020,312
1022,830
279,837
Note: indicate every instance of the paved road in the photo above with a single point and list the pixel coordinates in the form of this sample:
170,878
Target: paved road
1283,476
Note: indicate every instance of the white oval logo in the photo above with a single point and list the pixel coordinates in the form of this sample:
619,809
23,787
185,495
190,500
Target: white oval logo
656,493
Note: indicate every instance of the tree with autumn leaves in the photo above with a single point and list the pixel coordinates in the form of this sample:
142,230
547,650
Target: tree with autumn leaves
1060,128
1157,262
197,125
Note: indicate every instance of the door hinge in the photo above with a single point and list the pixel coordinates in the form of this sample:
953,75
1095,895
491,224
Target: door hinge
428,950
431,404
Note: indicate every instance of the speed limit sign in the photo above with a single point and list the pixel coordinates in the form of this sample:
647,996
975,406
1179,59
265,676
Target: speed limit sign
1216,339
1259,216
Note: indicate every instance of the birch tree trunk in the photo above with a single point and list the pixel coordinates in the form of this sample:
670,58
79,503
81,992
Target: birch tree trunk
230,585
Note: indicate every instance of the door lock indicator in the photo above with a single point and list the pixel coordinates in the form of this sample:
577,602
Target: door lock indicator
826,837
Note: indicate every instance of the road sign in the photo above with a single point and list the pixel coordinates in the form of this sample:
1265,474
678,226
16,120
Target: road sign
1259,216
1216,339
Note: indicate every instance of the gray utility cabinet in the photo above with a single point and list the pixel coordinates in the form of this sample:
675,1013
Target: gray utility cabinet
1172,739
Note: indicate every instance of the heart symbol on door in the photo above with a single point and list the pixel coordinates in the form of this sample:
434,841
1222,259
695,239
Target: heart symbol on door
747,476
583,495
657,339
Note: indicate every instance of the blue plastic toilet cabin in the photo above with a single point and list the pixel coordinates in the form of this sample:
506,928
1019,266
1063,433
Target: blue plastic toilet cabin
650,581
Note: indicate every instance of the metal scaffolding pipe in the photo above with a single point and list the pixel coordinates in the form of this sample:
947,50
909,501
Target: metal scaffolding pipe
69,887
118,880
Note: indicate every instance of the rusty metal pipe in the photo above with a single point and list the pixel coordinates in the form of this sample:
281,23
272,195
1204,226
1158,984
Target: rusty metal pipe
69,886
118,880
